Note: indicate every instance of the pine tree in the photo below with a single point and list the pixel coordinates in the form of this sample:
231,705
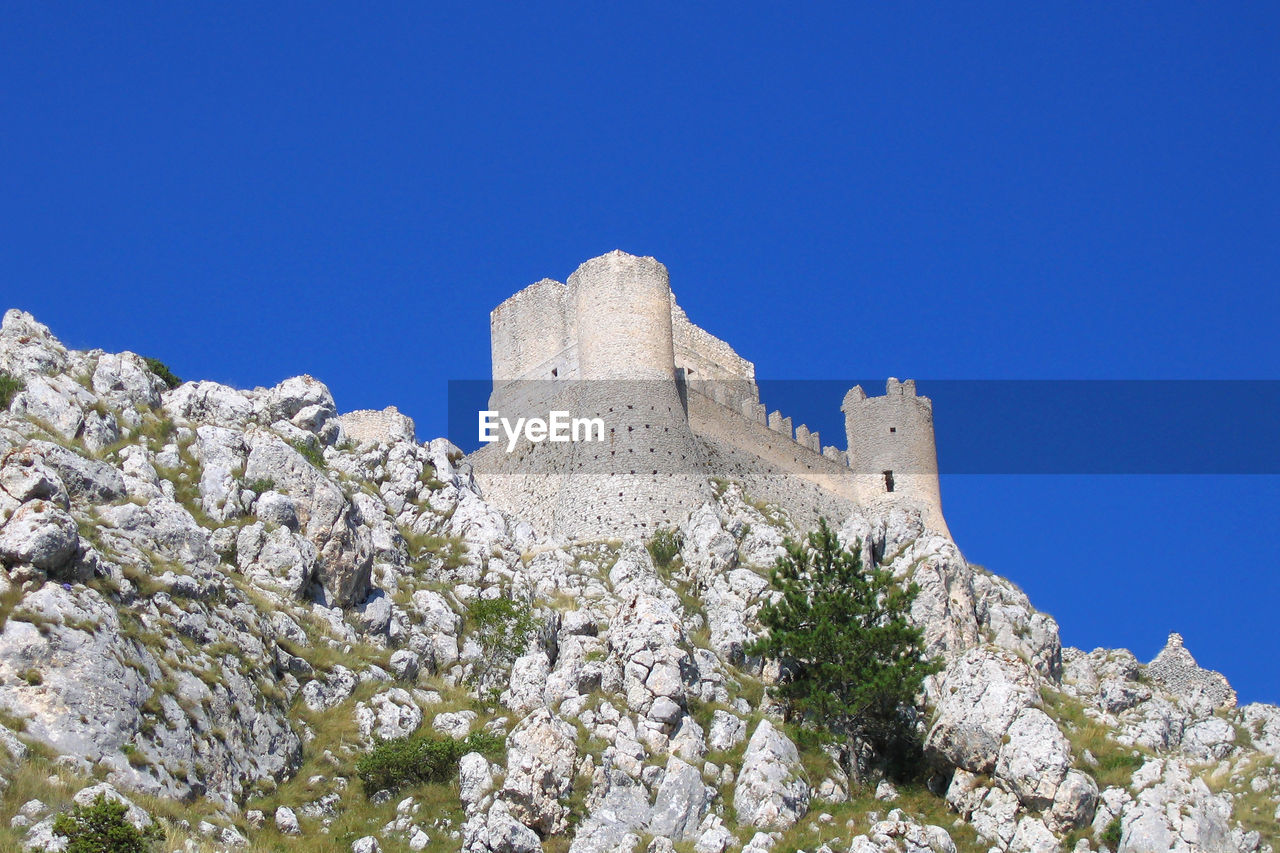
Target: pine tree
103,827
852,664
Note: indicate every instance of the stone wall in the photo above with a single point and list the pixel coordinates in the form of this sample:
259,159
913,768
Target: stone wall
647,472
1176,671
377,427
530,332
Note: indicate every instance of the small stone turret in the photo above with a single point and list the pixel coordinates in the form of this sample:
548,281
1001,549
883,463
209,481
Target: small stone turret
891,446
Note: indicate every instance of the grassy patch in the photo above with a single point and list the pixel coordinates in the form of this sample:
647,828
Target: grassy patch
10,386
313,455
664,546
449,551
1115,761
916,802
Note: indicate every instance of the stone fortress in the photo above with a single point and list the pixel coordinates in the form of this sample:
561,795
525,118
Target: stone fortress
682,412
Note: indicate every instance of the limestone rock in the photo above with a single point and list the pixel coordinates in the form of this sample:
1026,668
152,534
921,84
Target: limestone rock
333,690
86,480
388,715
541,756
40,533
771,792
344,557
727,730
475,779
208,403
27,347
505,834
619,813
1034,758
681,802
287,821
275,559
367,844
125,380
981,695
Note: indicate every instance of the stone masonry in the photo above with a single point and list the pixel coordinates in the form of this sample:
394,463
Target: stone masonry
682,409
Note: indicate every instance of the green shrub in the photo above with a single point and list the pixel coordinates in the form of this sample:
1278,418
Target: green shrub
665,546
260,485
312,454
419,760
103,828
853,662
502,628
159,368
9,387
429,479
1111,835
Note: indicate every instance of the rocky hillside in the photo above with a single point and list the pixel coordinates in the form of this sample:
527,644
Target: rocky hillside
216,605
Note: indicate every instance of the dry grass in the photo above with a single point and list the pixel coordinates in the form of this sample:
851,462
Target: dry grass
1115,761
856,816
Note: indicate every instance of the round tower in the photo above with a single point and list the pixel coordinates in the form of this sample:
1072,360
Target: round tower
891,448
622,304
650,470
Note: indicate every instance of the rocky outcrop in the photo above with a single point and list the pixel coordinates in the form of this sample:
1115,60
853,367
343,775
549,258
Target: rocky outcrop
541,758
205,589
771,792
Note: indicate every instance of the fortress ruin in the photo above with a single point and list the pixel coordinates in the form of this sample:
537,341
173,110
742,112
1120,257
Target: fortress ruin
683,411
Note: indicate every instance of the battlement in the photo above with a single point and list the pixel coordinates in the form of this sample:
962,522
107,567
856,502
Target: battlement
740,399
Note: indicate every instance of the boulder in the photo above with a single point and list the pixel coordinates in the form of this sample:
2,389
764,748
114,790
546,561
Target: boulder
981,694
40,533
125,381
344,553
727,730
770,792
1034,758
388,715
542,754
681,802
275,559
505,834
620,808
27,347
475,779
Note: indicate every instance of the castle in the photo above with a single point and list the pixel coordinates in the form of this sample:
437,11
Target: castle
682,412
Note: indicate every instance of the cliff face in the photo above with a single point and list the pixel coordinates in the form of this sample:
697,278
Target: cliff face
216,601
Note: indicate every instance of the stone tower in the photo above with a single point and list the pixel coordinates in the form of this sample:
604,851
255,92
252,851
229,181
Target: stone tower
891,447
600,345
651,465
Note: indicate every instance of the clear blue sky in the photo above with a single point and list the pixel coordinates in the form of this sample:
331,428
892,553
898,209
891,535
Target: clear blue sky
947,191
